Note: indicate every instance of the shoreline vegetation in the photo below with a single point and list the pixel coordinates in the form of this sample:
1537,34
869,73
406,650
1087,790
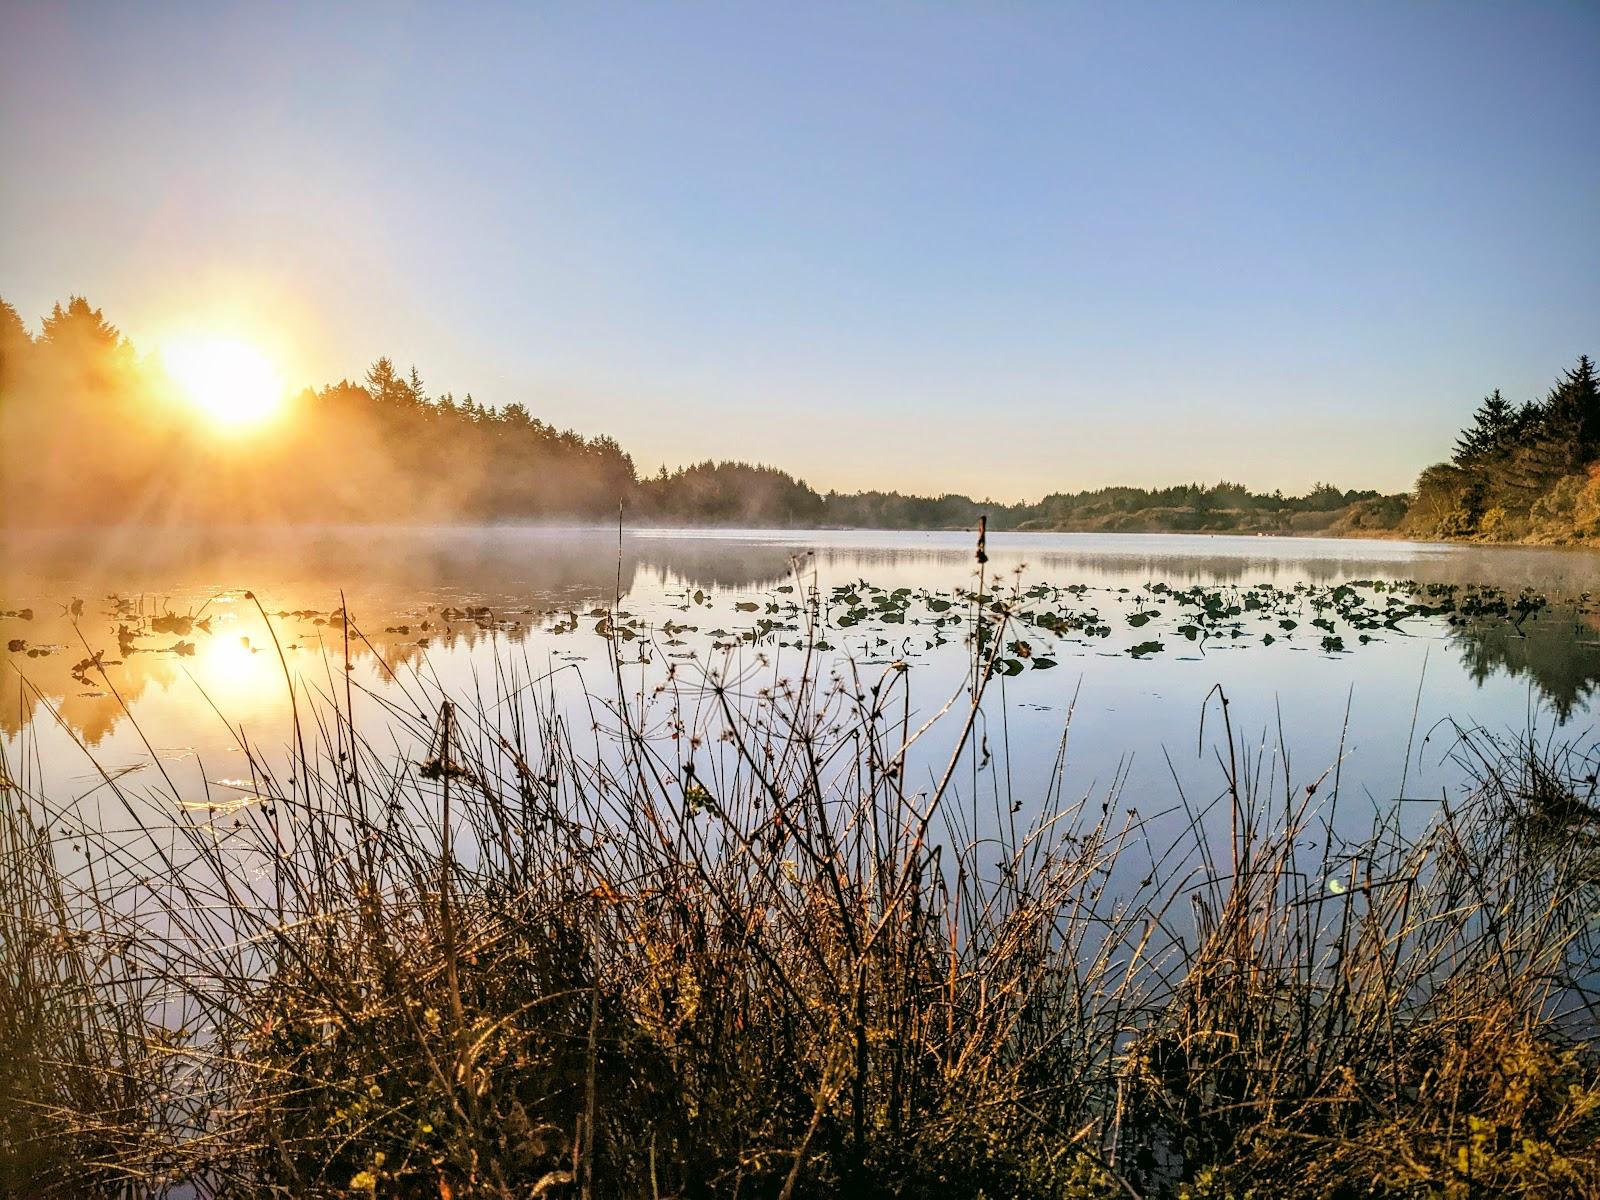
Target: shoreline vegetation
723,943
86,423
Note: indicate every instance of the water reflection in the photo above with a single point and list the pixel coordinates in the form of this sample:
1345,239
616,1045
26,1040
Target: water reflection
230,663
78,590
1558,651
307,564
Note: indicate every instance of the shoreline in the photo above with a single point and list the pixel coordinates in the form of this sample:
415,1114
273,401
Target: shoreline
28,531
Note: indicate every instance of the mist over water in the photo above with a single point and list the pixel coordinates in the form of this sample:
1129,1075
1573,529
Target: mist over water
191,667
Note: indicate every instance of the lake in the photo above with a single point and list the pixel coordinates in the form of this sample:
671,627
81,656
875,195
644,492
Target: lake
146,658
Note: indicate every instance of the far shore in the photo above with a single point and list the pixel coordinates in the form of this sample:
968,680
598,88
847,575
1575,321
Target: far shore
23,531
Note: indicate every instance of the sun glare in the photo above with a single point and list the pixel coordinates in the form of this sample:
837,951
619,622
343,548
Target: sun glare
232,383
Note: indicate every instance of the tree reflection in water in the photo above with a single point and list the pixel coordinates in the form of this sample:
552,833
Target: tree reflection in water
1557,650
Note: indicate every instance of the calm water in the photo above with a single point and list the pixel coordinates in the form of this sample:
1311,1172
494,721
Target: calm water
183,647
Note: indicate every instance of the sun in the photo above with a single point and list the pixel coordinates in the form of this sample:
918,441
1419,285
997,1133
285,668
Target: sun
235,385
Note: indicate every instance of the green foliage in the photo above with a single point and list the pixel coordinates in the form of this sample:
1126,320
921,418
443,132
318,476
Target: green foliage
1195,507
1518,473
1493,428
730,493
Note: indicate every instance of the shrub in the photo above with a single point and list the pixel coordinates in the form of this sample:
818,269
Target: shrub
1586,505
1495,525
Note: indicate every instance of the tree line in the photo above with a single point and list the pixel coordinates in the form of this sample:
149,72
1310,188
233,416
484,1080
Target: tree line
1520,472
90,430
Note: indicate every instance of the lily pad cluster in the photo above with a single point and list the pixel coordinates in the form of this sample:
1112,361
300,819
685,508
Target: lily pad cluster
901,622
1013,628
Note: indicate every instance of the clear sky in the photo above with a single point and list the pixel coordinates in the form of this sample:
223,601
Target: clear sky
995,248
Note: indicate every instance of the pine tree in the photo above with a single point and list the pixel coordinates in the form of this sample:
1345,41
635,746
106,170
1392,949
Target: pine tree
1490,432
14,344
1557,438
86,353
415,393
384,384
1572,412
79,327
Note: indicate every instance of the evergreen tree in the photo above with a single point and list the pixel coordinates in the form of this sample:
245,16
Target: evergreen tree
1572,411
1559,438
79,328
415,393
14,344
85,353
1491,431
384,384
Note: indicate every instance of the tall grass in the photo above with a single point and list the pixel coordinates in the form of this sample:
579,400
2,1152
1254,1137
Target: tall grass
713,938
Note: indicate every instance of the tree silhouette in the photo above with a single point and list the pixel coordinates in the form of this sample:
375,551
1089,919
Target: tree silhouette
1493,425
15,343
1556,651
384,384
88,435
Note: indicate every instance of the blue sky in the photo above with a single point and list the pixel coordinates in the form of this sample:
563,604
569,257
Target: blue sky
998,248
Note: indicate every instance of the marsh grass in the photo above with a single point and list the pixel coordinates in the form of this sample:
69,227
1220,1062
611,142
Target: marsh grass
734,935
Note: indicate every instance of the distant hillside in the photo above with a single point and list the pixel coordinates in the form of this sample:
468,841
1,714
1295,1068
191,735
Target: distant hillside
1185,508
1367,516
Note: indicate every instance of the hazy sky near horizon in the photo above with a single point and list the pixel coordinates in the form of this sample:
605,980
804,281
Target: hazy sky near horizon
1000,249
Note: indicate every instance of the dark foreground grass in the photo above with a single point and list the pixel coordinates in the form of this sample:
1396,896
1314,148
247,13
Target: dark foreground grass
721,944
